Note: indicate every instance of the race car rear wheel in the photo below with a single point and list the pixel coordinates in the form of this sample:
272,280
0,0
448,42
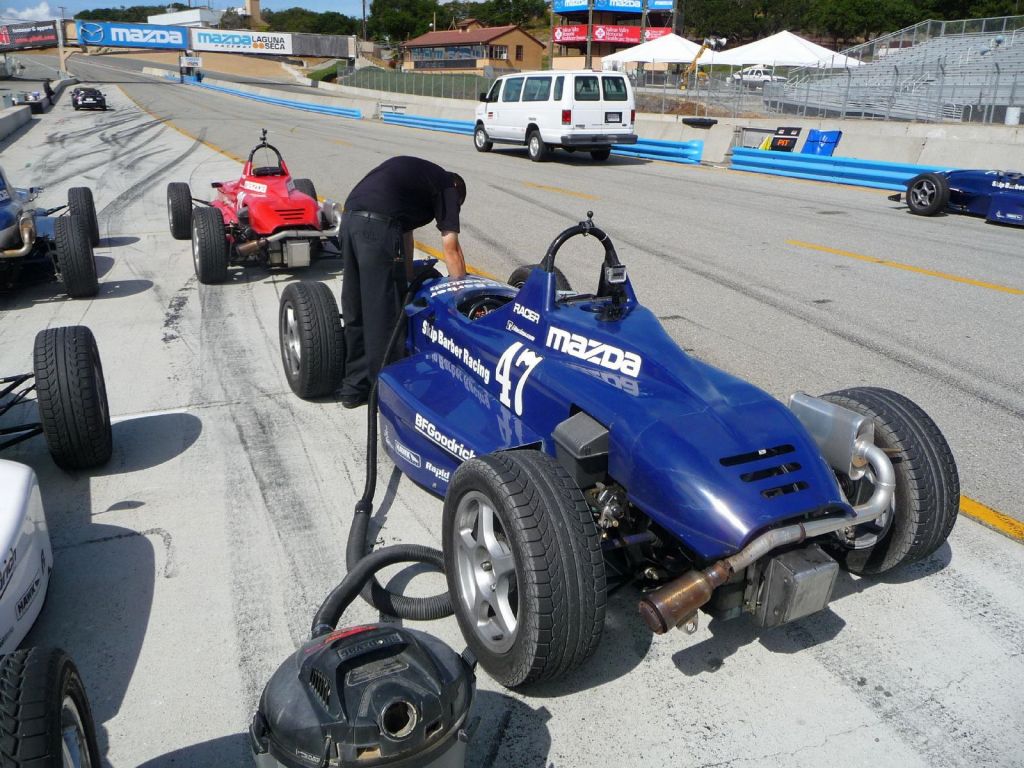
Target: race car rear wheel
80,203
75,260
927,194
72,397
927,496
524,566
305,186
312,339
209,246
520,274
46,719
179,210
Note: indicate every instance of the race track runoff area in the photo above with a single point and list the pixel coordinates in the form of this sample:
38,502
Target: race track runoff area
189,567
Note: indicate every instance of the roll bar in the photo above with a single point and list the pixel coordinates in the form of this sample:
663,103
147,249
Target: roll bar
264,145
585,228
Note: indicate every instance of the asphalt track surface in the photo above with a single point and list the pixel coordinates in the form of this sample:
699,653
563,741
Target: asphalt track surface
189,567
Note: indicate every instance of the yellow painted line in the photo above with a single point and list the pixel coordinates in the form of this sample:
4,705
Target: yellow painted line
183,132
560,191
436,254
1006,525
341,142
909,268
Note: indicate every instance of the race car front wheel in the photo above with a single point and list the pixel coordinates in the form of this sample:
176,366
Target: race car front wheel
46,719
520,274
80,204
524,566
312,339
75,260
927,496
927,194
179,210
209,246
72,397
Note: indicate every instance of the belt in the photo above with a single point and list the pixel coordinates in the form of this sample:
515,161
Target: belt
373,216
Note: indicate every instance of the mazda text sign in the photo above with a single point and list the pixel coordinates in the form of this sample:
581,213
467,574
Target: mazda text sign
229,41
102,33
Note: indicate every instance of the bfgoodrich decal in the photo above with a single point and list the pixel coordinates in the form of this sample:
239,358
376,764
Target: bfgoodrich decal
241,42
118,35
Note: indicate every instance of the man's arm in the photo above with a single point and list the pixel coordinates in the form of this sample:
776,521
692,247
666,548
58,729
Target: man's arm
453,256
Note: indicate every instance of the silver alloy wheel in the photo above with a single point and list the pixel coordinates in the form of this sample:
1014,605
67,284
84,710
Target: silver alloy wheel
291,344
486,572
480,138
534,145
924,192
195,246
74,745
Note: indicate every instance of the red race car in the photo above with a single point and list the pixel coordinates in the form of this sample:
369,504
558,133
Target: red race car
265,217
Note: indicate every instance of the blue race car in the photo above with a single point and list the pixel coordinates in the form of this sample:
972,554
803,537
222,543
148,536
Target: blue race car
996,195
578,448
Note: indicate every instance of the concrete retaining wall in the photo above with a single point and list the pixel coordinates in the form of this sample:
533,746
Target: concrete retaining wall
12,118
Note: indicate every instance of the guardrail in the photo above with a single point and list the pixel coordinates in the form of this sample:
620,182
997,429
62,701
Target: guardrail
652,149
464,127
840,170
305,106
689,152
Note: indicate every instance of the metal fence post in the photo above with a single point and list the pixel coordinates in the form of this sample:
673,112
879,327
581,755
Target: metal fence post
942,87
892,94
995,95
846,96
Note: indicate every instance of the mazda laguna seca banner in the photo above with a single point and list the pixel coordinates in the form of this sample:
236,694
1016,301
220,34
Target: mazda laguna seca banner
117,35
228,41
30,34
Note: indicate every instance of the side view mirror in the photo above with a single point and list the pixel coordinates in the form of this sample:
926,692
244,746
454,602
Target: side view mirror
483,96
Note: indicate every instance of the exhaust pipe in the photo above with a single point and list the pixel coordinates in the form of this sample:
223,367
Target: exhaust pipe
27,229
675,603
251,247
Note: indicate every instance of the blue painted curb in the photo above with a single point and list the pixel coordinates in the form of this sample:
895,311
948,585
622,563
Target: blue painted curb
839,170
323,109
463,127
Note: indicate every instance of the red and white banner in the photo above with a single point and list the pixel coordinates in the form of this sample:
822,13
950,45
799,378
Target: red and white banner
607,33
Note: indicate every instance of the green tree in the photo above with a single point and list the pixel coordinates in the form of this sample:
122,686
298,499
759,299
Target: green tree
136,14
400,19
231,20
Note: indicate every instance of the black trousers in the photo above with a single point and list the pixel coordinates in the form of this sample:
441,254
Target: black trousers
372,289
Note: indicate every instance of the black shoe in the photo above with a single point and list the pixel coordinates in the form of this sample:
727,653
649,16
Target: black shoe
353,401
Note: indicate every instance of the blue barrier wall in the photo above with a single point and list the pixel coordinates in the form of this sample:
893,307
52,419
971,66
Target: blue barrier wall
841,170
305,106
673,151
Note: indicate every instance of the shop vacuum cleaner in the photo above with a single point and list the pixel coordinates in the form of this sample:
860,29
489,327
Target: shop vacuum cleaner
377,695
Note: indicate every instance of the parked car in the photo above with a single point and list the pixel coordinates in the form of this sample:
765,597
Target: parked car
34,100
583,110
263,217
88,98
996,195
757,75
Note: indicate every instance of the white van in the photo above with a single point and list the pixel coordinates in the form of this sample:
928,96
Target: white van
574,110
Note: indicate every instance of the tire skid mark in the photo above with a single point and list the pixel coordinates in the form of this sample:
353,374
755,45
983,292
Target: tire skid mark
170,569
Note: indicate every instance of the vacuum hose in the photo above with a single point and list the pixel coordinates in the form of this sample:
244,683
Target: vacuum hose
361,562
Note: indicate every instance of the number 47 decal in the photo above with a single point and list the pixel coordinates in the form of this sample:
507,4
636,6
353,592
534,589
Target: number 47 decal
511,360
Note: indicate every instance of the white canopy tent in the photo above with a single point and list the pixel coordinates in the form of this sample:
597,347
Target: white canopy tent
783,49
667,49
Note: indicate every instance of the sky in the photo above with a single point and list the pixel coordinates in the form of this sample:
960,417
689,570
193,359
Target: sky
30,10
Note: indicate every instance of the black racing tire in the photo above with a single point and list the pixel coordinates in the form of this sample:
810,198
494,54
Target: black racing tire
312,339
81,204
72,397
544,561
75,260
209,246
76,107
179,210
45,715
600,155
520,274
927,194
306,187
536,148
480,139
927,497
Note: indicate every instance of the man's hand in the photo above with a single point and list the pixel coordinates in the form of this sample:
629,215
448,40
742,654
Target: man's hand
453,257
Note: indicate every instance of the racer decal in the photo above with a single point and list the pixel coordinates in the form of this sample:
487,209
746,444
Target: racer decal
456,448
510,326
460,374
1007,185
437,336
592,351
451,286
255,186
441,474
627,384
7,569
4,195
408,454
530,314
516,356
30,594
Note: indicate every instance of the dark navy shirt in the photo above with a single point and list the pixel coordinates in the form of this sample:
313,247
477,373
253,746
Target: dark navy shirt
412,190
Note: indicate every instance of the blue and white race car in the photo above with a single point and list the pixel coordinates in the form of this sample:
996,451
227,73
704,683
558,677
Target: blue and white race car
996,195
577,447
